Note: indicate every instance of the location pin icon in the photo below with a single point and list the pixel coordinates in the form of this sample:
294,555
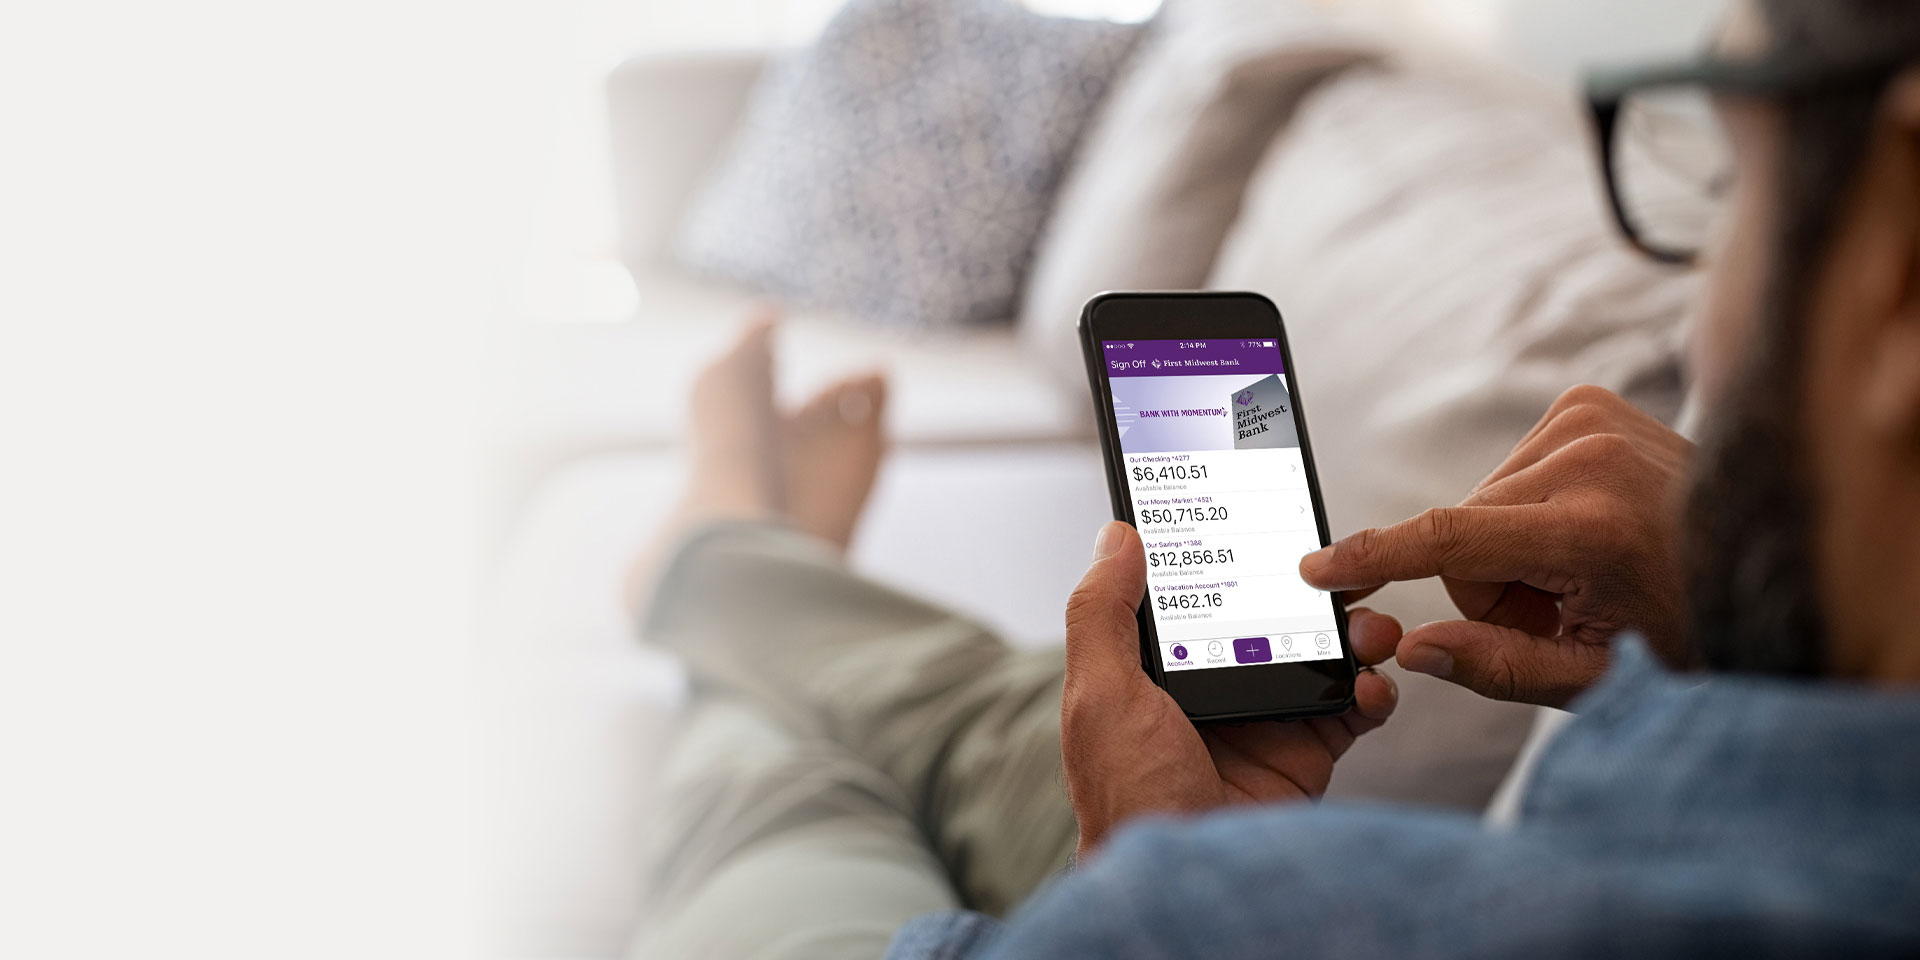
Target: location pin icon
1286,643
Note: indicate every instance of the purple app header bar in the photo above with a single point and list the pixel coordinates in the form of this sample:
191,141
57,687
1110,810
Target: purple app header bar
1191,358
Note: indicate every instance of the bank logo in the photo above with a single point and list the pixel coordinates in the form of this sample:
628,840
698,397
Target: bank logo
1243,398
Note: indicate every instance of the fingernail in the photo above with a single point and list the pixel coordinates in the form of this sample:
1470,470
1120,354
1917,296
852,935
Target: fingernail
1432,661
1107,543
1393,689
1314,562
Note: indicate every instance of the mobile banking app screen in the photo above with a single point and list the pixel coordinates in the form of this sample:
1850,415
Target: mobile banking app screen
1219,494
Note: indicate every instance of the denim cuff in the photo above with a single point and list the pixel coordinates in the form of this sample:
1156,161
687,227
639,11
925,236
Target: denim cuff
947,935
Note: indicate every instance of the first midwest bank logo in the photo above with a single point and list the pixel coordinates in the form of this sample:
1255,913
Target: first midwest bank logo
1244,398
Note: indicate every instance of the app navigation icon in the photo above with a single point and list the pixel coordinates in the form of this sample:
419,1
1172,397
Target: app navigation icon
1252,650
1179,652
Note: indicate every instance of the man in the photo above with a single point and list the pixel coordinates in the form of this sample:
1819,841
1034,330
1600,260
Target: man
1741,777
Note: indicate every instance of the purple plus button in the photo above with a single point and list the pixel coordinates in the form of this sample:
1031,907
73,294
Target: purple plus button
1179,652
1252,650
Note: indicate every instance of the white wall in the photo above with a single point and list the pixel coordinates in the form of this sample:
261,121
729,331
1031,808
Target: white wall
1562,37
251,261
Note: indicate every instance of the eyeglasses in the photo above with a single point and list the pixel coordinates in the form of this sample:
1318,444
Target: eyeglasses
1667,160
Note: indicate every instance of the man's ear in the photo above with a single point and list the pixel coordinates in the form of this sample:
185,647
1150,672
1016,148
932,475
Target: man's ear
1893,384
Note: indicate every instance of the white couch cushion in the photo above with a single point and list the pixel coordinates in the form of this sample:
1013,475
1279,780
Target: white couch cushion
1160,175
1433,234
668,118
578,388
1435,237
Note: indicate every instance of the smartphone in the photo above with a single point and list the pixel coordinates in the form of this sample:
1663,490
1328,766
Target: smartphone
1207,456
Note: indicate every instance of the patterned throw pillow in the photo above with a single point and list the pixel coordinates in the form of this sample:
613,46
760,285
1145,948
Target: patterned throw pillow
901,168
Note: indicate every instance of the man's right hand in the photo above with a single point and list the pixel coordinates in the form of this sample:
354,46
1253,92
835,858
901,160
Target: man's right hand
1569,542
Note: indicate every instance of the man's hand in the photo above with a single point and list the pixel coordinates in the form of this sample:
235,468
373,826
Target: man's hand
1128,748
1569,542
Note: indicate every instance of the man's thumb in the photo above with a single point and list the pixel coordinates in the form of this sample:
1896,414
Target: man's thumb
1503,663
1101,629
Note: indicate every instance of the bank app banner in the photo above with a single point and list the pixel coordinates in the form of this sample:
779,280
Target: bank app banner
1219,491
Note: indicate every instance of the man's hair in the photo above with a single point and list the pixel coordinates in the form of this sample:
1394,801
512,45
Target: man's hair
1752,567
1827,129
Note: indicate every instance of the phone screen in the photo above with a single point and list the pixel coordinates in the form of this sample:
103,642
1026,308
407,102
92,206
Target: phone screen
1219,490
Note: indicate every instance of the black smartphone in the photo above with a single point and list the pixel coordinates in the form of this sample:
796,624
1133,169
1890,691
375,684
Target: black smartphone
1207,456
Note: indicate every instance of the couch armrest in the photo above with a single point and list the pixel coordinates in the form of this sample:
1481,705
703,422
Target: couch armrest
669,117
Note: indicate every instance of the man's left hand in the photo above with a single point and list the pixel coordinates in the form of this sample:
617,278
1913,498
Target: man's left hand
1130,750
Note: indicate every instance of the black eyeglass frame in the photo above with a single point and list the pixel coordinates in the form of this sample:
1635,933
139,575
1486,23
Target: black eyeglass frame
1606,90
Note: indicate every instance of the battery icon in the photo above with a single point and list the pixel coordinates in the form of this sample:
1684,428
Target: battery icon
1267,343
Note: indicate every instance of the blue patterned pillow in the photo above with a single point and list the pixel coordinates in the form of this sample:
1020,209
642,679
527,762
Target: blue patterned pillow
901,168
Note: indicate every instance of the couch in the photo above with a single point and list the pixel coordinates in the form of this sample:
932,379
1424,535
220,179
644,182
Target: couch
993,491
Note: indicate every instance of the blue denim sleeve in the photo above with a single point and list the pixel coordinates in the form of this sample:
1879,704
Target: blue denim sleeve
1243,885
947,935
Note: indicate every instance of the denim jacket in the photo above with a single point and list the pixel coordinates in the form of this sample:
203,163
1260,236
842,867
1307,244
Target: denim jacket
1677,816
